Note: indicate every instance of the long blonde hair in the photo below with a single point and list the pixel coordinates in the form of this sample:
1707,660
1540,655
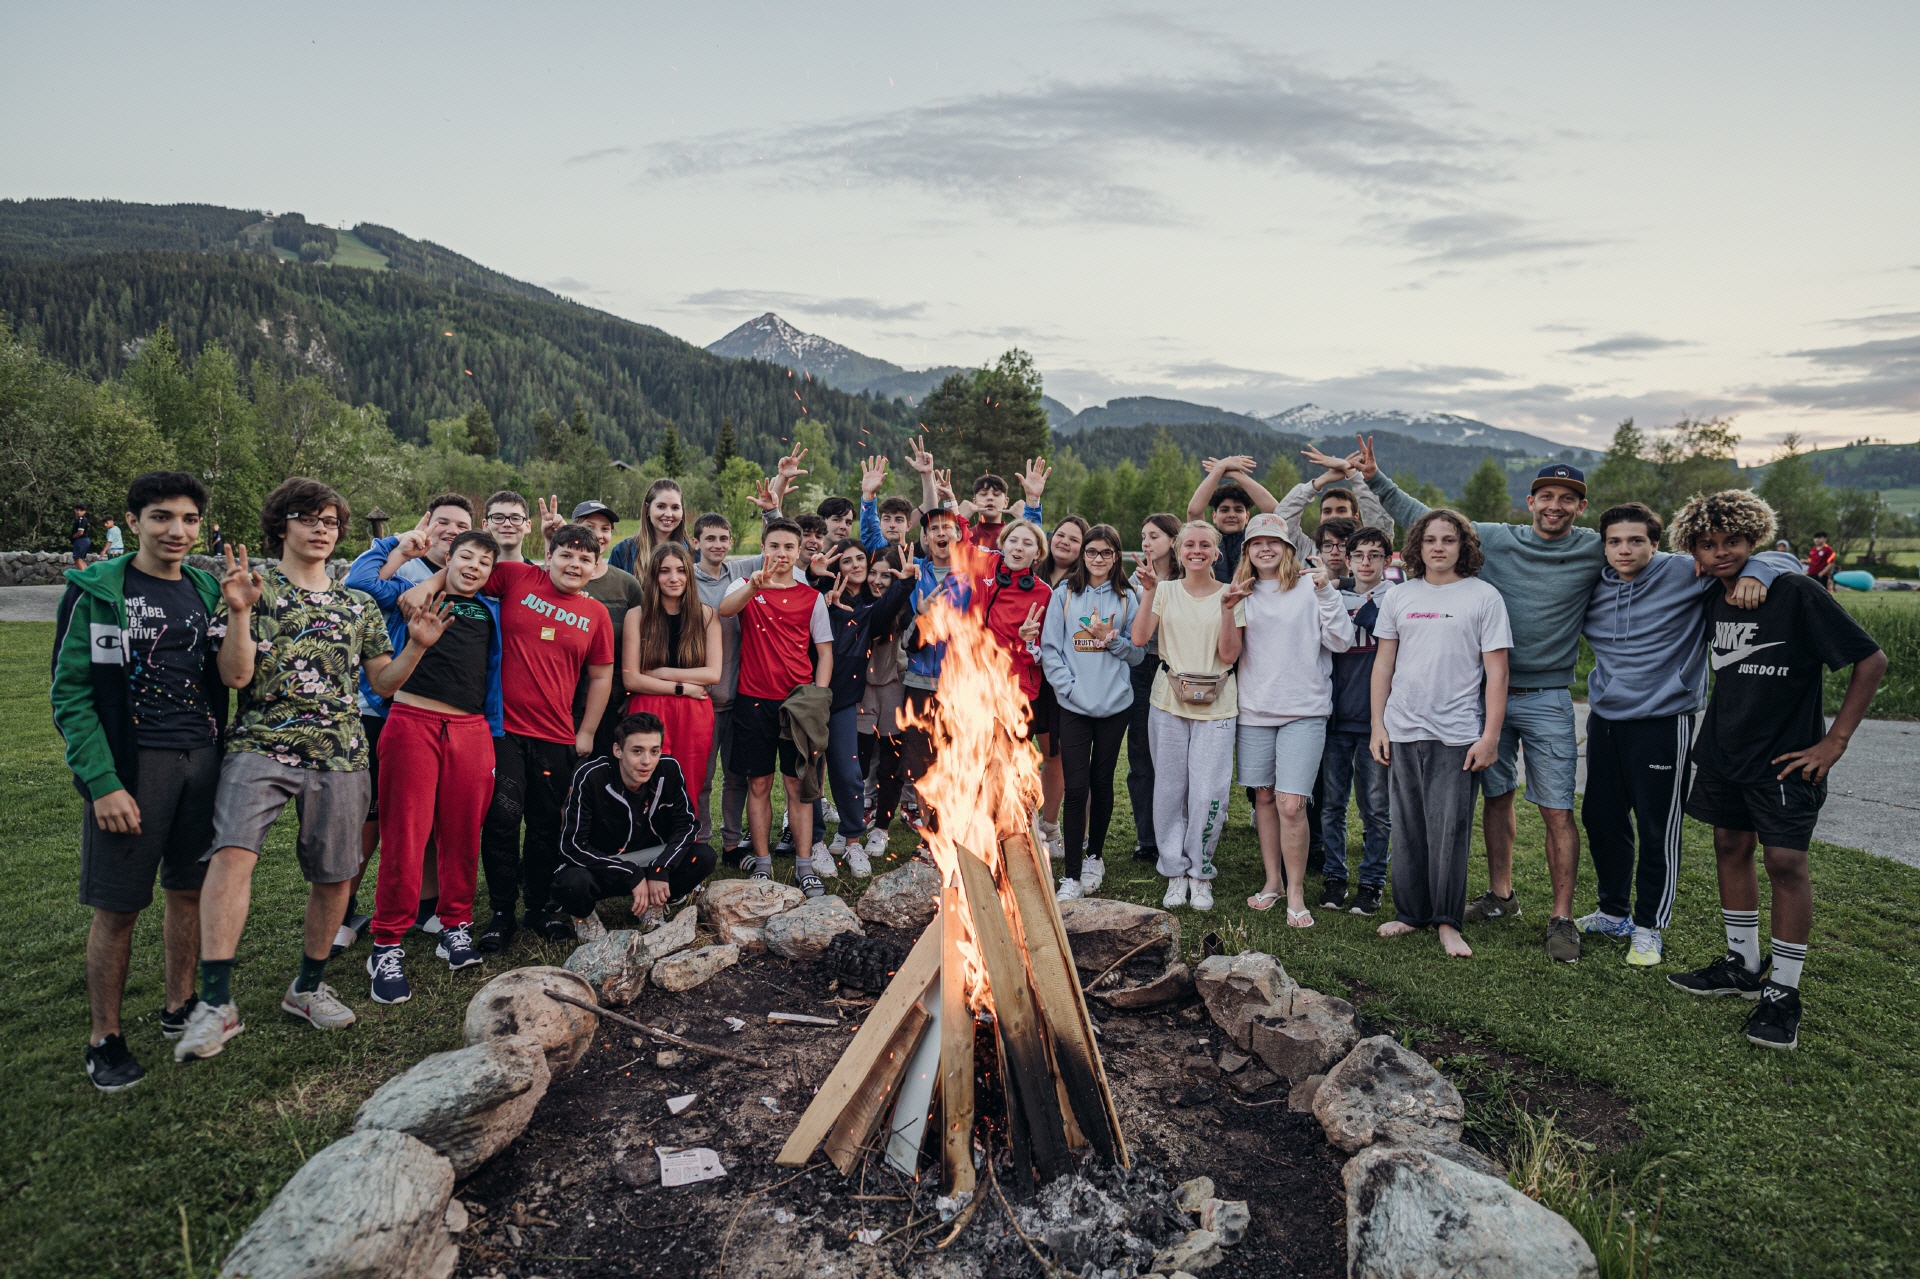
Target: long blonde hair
1288,574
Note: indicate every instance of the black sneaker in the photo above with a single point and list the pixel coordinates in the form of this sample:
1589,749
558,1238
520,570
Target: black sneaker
456,947
553,928
1488,906
498,934
174,1024
111,1067
810,885
389,977
1726,976
761,874
1776,1019
1367,900
1145,853
1333,894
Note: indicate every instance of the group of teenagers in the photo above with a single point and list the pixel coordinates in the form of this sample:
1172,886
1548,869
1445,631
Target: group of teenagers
452,705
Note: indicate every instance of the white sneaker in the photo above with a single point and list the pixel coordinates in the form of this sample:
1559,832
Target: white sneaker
856,854
1069,890
839,845
432,926
1050,835
1176,892
1093,873
823,861
1202,894
208,1030
319,1007
831,813
343,939
589,928
876,843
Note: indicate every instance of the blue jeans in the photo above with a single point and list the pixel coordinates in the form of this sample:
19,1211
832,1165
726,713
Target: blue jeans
1349,764
843,773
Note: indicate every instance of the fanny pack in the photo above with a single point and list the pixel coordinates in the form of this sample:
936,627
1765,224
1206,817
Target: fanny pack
1196,690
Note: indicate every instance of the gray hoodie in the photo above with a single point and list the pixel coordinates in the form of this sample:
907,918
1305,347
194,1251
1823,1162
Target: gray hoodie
1649,636
1090,678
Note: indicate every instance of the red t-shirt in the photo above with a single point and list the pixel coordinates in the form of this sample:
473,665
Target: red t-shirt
778,629
1819,559
546,636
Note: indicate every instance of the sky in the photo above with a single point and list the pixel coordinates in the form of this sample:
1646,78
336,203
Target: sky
1549,217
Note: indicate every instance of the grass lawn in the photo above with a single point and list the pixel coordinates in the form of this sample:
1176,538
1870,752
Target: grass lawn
1786,1164
350,250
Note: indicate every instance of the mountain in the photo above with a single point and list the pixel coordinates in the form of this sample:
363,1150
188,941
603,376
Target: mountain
770,338
1141,410
1436,428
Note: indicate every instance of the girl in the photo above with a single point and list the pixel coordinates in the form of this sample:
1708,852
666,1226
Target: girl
1088,657
879,721
1063,554
861,621
1156,550
673,657
1012,599
1439,702
663,518
1286,694
1198,620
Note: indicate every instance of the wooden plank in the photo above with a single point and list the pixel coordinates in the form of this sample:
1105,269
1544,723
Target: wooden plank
909,983
908,1130
1021,1029
1056,987
956,1048
855,1127
1018,1134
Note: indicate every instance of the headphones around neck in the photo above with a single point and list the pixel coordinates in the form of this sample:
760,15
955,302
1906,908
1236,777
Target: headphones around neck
1004,576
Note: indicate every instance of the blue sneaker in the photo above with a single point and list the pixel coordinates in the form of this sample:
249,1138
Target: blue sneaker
389,978
1606,925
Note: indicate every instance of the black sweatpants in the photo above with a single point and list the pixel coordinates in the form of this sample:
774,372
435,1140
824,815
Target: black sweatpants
1432,804
1140,757
1636,772
577,888
1089,752
880,759
530,779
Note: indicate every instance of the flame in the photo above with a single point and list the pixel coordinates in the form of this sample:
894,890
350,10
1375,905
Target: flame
983,785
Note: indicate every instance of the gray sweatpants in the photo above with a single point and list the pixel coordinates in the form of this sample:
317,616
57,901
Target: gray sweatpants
1432,815
733,787
1192,777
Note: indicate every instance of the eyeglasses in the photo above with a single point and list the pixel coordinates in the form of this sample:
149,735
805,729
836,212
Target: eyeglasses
327,522
1366,557
1099,552
508,520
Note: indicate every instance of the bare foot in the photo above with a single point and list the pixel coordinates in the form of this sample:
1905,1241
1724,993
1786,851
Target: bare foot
1454,944
1394,928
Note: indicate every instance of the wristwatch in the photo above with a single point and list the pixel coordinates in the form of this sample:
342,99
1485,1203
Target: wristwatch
679,689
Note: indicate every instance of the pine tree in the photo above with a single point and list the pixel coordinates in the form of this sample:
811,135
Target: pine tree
546,435
482,439
726,448
1485,497
673,456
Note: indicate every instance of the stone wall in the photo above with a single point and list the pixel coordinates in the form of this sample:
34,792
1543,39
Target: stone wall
47,568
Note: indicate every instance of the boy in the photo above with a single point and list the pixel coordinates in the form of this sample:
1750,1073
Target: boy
1230,489
1348,762
838,513
940,530
1764,752
1343,495
714,576
138,699
507,519
81,536
1820,559
785,641
116,542
620,591
1646,625
629,829
1332,537
293,643
979,522
813,536
1443,638
886,524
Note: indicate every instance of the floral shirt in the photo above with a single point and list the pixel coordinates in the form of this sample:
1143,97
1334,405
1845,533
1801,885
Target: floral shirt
300,708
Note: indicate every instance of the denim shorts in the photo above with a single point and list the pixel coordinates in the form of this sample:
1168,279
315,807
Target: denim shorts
1541,722
1284,757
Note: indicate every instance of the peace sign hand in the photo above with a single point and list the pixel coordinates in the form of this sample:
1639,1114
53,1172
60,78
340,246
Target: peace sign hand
1331,463
241,585
1231,598
1369,465
1030,629
918,458
1143,576
551,521
788,467
764,497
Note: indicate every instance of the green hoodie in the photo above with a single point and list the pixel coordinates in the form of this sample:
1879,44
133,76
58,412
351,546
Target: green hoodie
93,684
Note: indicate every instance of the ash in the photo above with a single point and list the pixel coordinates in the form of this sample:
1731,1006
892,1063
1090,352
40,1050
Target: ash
1103,1222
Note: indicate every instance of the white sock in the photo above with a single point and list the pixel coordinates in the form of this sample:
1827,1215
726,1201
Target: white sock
1743,936
1789,957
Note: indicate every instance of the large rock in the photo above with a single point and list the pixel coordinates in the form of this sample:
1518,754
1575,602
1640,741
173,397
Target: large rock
1379,1081
1170,987
1238,988
1318,1033
1101,931
906,898
1399,1132
1412,1213
804,931
373,1205
615,966
677,934
468,1104
690,968
738,909
1199,1251
516,1003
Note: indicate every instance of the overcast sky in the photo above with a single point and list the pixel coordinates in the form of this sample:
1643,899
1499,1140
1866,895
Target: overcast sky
1545,219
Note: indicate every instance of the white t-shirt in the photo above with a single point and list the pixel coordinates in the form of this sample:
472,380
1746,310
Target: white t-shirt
1439,670
1189,637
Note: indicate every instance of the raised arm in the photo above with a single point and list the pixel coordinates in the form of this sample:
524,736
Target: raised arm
241,586
1399,505
1216,470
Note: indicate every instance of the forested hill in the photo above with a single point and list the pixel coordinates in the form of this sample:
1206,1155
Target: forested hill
420,349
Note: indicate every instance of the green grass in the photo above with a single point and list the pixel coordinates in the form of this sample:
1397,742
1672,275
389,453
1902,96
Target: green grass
1790,1164
350,250
1893,619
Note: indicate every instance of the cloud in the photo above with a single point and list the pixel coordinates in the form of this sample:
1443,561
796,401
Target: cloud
604,153
1480,237
1881,321
1629,344
802,303
567,284
1881,376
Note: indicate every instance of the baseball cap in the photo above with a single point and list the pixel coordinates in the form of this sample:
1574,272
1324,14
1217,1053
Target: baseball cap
1267,524
1560,473
592,507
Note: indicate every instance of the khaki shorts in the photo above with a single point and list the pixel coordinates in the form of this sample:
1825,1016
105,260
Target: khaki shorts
332,807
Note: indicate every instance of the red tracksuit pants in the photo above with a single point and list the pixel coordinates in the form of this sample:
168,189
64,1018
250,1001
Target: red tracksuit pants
689,736
436,777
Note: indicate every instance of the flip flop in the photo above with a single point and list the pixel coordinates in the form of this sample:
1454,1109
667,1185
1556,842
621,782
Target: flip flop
1295,916
1263,901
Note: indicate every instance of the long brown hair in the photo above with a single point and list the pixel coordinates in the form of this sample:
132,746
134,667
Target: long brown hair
1169,525
1050,572
644,539
1467,563
653,615
1080,581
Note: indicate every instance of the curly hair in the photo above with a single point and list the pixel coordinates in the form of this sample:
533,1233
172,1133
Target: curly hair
1737,511
1471,557
298,496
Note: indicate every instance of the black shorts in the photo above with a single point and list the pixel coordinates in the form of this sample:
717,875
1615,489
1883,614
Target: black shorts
757,744
371,726
1044,709
1781,813
175,793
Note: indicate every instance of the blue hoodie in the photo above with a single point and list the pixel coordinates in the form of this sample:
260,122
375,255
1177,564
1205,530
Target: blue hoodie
1090,678
1649,636
364,575
923,660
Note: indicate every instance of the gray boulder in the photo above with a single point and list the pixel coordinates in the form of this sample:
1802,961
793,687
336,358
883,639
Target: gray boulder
690,968
468,1104
1318,1032
906,898
676,934
1411,1213
615,966
516,1003
1398,1132
1238,988
737,909
1378,1081
1199,1251
1228,1219
1100,931
1170,987
803,932
373,1205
